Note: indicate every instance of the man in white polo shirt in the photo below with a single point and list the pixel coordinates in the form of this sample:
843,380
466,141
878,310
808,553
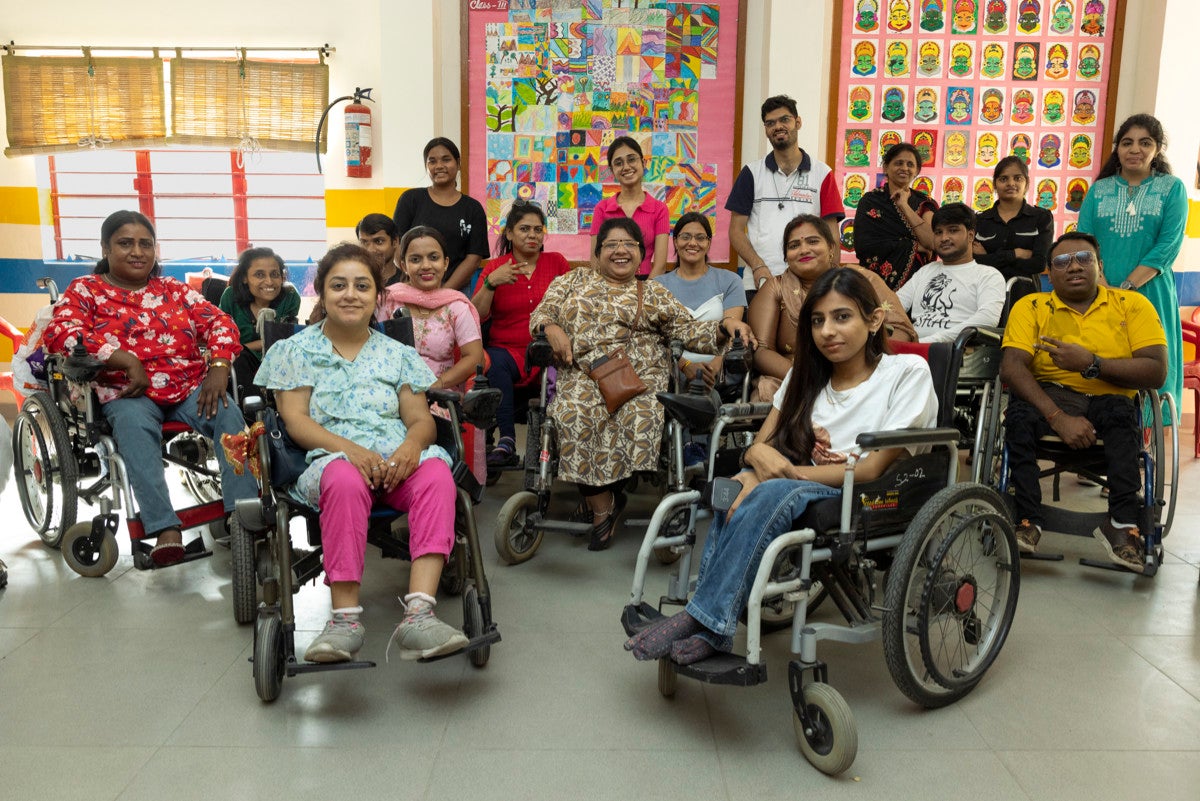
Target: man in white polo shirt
769,193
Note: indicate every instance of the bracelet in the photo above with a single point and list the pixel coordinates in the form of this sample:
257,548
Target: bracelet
684,363
1054,414
219,363
488,283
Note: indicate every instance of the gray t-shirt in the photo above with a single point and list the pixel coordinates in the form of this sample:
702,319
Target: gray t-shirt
714,283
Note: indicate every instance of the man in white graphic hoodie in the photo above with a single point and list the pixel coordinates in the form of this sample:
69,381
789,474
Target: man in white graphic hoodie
946,296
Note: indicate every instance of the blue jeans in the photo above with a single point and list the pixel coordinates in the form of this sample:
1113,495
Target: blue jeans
137,427
734,549
504,374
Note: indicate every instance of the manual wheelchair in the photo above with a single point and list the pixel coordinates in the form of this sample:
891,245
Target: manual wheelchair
525,516
263,555
949,595
61,439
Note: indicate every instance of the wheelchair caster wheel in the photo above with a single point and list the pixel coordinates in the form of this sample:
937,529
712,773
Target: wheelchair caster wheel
517,539
667,678
268,657
83,555
830,740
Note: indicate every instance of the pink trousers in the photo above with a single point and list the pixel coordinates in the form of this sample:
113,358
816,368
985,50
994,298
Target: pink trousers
427,495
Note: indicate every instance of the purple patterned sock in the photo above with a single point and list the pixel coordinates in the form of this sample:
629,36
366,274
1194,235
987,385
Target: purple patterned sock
655,642
693,649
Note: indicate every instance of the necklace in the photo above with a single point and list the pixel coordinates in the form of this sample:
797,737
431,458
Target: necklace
785,193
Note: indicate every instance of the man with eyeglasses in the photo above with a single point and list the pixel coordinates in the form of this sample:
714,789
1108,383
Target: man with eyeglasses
769,193
1074,359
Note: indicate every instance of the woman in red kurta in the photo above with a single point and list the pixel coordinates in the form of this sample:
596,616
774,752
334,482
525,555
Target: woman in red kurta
510,288
149,330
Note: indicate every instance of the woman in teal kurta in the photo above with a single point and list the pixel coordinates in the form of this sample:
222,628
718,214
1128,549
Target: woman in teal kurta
1138,211
257,283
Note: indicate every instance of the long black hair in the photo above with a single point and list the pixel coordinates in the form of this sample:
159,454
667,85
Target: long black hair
113,223
237,280
1153,127
520,209
811,370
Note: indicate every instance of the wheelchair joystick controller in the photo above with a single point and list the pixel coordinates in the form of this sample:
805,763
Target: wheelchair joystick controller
81,366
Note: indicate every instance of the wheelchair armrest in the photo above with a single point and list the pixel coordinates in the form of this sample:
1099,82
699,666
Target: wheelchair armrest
253,404
445,397
908,437
745,410
988,335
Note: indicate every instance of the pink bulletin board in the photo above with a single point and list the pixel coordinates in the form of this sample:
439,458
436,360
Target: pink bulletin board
969,82
549,83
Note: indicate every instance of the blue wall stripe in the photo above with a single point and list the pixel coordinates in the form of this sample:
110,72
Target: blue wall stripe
19,276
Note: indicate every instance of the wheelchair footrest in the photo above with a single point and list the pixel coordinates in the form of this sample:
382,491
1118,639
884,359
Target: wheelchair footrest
488,638
1043,557
724,669
295,668
635,618
1104,564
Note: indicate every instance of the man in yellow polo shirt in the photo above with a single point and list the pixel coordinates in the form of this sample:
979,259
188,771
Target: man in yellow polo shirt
1074,359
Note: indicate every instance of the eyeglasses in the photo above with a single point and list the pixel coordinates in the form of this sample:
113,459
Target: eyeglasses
786,119
699,239
620,244
1062,261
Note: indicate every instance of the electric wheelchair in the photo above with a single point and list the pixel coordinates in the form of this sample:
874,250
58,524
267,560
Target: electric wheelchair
525,516
61,442
264,558
947,550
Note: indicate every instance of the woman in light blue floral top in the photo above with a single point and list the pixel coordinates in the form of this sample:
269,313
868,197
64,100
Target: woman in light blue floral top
355,398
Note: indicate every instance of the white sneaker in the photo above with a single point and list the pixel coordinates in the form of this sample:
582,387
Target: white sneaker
421,635
339,642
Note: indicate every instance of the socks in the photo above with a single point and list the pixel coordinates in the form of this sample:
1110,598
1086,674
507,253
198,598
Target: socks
418,604
656,641
693,649
1121,526
347,614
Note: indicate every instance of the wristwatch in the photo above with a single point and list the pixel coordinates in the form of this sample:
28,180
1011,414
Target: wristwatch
1127,284
1092,370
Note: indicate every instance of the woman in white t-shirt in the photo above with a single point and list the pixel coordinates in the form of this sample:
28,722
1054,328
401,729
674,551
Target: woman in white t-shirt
843,383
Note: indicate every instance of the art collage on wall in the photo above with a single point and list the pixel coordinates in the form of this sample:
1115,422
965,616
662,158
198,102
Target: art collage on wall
553,82
969,82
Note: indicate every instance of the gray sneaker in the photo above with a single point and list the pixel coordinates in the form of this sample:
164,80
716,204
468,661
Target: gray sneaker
421,636
340,640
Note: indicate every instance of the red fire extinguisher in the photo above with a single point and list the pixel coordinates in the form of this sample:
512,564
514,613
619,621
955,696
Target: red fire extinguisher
358,134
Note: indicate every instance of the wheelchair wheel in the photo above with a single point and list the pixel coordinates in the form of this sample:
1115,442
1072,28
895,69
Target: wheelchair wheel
831,744
517,538
667,678
1160,411
45,467
198,450
473,625
268,657
675,525
245,590
84,556
951,595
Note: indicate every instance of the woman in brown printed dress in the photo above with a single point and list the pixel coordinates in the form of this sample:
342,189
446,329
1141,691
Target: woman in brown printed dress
587,314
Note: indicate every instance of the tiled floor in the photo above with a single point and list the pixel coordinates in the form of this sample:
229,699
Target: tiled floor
137,686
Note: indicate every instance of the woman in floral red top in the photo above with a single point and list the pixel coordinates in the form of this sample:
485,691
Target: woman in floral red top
149,331
510,288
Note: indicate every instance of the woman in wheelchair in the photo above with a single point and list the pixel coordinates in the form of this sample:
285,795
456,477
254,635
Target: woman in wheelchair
151,329
843,383
258,282
811,251
589,314
355,399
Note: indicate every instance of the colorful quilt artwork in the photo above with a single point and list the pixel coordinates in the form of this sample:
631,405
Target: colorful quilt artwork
553,82
989,79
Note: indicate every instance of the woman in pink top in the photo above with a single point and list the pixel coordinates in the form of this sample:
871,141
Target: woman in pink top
445,324
627,164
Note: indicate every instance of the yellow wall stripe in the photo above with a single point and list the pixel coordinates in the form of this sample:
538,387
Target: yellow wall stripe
345,207
19,205
1193,223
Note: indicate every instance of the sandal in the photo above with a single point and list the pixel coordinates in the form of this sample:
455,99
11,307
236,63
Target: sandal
604,531
167,553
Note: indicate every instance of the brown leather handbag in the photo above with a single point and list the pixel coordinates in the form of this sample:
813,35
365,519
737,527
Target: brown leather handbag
614,374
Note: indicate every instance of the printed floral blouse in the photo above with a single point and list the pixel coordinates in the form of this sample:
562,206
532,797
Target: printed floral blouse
164,324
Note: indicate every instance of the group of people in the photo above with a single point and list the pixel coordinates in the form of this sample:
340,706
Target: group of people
355,399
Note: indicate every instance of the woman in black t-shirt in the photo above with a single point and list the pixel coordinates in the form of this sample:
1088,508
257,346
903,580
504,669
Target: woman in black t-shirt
1013,236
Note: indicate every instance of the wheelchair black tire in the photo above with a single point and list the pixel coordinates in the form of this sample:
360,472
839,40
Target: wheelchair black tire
926,562
245,587
473,625
54,442
832,746
517,539
268,656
